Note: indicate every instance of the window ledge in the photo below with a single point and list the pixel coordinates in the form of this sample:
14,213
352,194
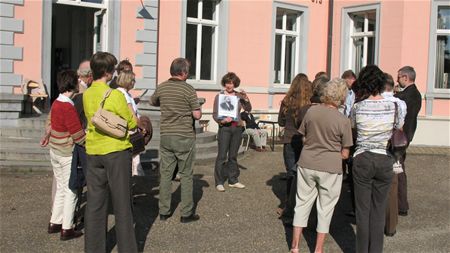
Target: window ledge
205,85
443,95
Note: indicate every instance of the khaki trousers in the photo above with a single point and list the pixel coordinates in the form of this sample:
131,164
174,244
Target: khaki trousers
312,185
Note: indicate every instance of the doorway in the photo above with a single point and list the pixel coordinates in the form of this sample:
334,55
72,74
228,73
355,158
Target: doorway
73,35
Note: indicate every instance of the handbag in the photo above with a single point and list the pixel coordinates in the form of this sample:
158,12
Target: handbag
108,122
398,142
137,139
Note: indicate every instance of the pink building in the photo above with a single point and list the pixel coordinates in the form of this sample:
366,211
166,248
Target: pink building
265,42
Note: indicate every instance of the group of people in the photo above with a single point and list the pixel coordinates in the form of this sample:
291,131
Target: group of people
343,126
318,118
82,155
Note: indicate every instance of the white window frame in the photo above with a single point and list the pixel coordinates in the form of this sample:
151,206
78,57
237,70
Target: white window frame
80,3
300,35
348,35
200,22
432,91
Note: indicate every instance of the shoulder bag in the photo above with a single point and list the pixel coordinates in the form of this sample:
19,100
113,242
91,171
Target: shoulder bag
398,142
108,122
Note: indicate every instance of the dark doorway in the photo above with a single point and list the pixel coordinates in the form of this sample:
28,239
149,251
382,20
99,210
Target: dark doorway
72,39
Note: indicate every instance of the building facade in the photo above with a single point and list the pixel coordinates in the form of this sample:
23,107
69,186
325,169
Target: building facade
265,42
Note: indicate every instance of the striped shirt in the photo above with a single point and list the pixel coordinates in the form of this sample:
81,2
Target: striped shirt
374,121
177,100
65,127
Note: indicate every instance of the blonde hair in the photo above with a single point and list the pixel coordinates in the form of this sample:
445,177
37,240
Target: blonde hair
335,92
126,79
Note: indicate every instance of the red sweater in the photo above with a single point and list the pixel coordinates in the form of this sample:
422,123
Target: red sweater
66,128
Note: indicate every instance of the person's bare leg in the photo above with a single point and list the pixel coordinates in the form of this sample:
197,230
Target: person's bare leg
319,242
296,234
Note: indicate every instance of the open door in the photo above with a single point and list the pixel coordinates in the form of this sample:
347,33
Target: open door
100,34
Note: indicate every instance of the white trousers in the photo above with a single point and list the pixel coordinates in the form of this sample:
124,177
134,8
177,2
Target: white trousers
65,199
259,136
136,167
324,186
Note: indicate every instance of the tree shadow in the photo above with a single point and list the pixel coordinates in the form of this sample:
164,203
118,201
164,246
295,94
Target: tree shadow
341,229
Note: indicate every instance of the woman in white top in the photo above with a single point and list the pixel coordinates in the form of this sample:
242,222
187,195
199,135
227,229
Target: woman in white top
125,82
373,118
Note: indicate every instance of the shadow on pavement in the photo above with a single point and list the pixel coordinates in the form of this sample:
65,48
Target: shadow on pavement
199,184
341,229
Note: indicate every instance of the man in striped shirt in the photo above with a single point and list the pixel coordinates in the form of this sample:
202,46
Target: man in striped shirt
179,109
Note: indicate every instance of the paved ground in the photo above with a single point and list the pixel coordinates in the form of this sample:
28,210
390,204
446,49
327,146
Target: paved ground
236,220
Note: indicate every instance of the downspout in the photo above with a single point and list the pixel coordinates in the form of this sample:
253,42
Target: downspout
330,35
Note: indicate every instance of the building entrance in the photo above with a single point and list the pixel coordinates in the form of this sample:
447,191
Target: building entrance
74,38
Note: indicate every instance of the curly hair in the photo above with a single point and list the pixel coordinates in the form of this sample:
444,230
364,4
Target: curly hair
335,92
370,82
231,77
298,95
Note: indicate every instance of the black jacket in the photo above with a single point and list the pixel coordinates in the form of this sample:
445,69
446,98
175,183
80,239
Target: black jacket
413,101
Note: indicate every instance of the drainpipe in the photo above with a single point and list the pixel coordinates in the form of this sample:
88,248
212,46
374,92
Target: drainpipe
330,35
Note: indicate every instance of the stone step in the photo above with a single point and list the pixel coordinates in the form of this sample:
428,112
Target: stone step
25,166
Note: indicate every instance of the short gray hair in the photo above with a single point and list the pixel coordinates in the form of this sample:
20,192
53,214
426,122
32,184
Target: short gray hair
409,72
335,92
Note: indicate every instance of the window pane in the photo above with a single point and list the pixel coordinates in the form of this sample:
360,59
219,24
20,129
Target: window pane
279,21
443,17
289,62
358,44
192,8
277,58
358,22
442,62
291,21
371,51
207,53
209,9
191,48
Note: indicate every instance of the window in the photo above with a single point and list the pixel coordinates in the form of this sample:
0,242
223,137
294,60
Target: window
360,38
442,38
287,45
201,39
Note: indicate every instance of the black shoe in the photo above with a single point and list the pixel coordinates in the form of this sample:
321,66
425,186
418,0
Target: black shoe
190,218
164,217
403,213
390,234
69,234
54,228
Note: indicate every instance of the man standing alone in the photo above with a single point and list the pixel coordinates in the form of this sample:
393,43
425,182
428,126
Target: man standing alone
179,108
406,79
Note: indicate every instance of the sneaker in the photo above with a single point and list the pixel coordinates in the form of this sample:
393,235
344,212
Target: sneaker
237,185
220,188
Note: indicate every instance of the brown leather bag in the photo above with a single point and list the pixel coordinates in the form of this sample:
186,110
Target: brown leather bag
108,122
398,142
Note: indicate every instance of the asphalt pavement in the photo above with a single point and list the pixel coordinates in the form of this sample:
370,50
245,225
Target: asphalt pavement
235,220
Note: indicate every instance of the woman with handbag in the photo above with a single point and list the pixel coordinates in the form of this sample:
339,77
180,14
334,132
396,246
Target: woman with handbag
65,131
125,82
373,118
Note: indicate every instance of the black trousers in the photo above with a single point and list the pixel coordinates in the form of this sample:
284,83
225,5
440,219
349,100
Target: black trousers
109,175
372,177
229,141
403,205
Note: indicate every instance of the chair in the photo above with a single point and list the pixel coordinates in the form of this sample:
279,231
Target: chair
246,138
37,94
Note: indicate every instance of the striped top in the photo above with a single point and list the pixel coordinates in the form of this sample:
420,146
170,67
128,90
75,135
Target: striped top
177,100
65,127
374,121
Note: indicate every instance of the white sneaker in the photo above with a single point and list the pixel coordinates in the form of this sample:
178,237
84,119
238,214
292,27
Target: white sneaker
237,185
220,188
